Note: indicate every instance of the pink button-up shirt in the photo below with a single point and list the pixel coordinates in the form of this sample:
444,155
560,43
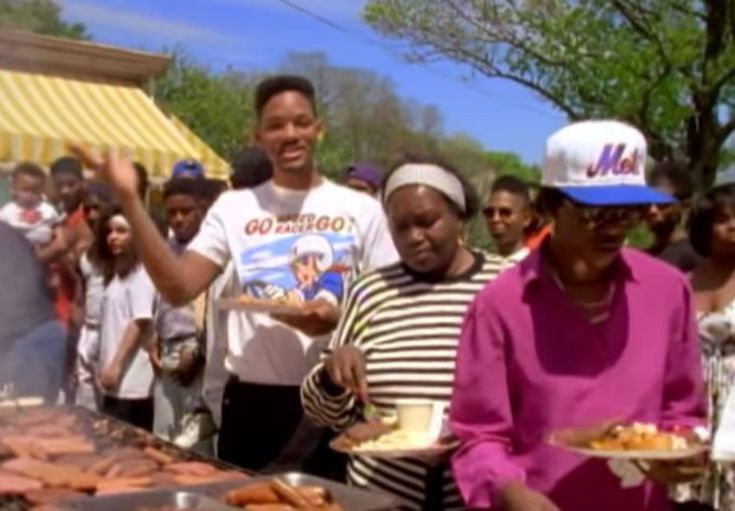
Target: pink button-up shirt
530,363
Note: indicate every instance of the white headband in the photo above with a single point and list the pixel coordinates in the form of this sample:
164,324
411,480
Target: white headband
430,175
120,221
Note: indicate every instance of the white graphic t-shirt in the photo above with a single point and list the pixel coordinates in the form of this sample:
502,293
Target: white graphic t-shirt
304,245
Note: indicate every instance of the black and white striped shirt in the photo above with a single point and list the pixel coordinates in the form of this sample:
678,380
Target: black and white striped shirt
408,329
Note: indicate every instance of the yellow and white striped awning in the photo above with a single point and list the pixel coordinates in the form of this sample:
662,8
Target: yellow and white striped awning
40,115
213,164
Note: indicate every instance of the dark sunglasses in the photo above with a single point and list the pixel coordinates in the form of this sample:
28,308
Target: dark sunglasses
613,215
503,213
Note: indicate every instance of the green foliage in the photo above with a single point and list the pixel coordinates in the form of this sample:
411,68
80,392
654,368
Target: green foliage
668,66
511,163
39,16
640,237
218,108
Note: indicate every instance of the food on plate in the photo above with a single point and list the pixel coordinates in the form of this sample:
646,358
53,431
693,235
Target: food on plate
638,437
380,436
366,431
276,495
251,300
361,433
281,304
396,440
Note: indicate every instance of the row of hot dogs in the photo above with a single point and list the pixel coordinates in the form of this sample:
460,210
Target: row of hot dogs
50,455
276,495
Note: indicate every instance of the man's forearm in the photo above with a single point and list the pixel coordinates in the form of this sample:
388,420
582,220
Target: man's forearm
162,265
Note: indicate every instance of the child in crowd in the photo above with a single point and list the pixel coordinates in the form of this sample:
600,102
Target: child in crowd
124,371
29,212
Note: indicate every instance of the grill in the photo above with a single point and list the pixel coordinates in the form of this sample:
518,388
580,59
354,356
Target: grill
106,432
103,431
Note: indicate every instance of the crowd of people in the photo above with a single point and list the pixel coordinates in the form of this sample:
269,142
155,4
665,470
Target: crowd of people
560,325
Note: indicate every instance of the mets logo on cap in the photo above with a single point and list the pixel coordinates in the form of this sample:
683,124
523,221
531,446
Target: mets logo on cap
598,163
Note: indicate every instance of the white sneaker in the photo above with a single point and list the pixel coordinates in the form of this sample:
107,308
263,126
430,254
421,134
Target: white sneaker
197,427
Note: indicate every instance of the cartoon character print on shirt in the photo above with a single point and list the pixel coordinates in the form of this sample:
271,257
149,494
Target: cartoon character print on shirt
304,263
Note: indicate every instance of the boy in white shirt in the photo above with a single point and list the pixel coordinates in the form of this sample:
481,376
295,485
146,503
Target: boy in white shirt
257,230
29,212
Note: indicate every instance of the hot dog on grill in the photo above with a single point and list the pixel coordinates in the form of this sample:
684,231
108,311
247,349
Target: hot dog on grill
258,493
11,484
51,496
158,456
290,495
270,507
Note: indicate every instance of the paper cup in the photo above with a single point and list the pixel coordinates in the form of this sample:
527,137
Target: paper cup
414,415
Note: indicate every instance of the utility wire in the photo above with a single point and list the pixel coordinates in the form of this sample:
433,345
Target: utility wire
473,86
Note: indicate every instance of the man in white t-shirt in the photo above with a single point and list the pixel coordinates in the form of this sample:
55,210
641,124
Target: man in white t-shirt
297,235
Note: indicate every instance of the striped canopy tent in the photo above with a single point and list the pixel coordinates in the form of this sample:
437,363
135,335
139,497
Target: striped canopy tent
214,165
40,115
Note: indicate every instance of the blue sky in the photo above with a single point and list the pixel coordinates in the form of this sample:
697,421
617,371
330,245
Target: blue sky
257,34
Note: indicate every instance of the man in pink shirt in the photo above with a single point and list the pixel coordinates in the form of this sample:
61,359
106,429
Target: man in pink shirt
581,332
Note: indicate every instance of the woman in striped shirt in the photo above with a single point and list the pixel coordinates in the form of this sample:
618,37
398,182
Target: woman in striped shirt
399,329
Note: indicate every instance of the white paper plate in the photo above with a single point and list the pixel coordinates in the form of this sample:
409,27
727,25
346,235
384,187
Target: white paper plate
260,306
678,454
431,451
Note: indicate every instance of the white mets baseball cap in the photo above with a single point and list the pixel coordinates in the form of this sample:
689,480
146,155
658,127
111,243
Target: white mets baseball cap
600,163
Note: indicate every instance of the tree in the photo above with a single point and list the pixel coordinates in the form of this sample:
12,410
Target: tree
667,66
39,16
364,117
218,108
511,163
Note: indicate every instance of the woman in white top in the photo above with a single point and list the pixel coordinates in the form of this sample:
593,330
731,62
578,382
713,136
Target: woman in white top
712,234
124,371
